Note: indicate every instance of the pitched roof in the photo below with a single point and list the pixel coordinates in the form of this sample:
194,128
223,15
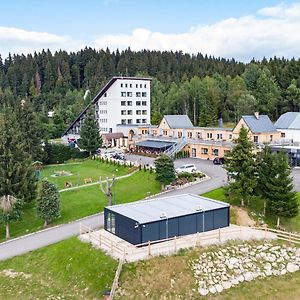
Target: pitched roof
100,94
289,120
173,206
260,124
178,121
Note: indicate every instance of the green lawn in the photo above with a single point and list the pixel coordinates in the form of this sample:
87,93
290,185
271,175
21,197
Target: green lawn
257,206
89,200
66,270
81,170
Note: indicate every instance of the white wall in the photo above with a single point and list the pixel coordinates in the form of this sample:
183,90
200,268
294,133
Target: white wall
292,134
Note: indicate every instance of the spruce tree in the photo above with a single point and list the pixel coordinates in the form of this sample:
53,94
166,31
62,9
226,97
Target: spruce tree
165,171
31,130
241,167
17,181
90,139
48,202
279,191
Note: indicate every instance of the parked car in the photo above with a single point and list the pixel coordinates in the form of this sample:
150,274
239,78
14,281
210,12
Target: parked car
218,161
108,154
119,156
186,169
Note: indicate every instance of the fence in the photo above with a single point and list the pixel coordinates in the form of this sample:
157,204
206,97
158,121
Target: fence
116,280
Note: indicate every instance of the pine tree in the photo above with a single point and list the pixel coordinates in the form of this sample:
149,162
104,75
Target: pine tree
165,171
17,181
240,165
90,138
48,203
279,192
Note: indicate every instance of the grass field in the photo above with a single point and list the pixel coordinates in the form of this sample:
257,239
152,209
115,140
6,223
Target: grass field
85,201
81,170
257,206
66,270
172,278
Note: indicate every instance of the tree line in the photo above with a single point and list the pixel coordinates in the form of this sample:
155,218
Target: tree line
204,87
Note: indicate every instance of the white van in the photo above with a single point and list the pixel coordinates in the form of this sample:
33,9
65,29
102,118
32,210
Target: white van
186,169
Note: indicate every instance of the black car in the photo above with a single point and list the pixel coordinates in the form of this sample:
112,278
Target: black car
218,161
119,156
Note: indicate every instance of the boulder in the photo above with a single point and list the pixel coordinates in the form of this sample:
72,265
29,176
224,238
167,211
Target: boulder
203,292
226,285
219,288
248,276
291,267
212,289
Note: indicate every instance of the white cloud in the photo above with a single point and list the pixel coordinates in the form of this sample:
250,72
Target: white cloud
16,40
272,31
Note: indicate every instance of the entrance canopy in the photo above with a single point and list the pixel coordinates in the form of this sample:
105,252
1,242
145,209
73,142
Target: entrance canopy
154,144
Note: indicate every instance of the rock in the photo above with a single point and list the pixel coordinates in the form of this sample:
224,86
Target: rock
210,264
276,272
268,266
203,292
291,267
268,272
234,281
212,289
226,285
233,260
248,276
219,288
283,272
240,278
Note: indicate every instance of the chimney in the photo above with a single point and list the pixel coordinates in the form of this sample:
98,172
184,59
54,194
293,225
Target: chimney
256,114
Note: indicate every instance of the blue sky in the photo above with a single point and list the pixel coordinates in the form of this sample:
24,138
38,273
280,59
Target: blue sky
191,26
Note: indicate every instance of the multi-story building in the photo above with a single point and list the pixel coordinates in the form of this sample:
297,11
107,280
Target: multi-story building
123,100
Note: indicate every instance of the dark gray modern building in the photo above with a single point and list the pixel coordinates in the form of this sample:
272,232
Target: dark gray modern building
158,219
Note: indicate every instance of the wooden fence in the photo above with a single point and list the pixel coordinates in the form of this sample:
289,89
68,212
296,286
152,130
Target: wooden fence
116,280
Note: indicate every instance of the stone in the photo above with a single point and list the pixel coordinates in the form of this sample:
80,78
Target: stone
226,285
219,288
233,260
210,264
240,278
291,267
268,266
248,276
283,272
276,272
203,292
212,289
268,272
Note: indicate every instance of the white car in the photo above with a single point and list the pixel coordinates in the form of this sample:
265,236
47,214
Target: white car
108,154
186,169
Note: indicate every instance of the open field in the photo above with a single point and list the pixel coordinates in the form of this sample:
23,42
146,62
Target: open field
257,207
172,278
80,170
66,270
86,201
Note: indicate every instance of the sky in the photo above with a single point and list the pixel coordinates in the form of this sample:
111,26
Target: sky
243,29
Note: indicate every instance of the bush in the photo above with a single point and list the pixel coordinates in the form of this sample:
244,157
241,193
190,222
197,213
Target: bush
59,153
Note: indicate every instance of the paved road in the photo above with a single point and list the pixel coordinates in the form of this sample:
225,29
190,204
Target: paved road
53,235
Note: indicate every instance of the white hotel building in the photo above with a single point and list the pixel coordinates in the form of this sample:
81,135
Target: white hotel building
123,101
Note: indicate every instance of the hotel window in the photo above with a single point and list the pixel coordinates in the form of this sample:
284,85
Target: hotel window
144,94
129,103
123,103
130,85
144,112
138,121
138,94
204,150
138,112
255,139
138,103
144,103
129,121
129,112
145,85
190,134
129,94
141,85
215,152
219,136
123,112
144,121
123,94
209,135
121,84
126,84
123,121
199,135
105,95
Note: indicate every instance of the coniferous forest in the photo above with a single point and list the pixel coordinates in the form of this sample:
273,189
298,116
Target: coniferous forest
206,88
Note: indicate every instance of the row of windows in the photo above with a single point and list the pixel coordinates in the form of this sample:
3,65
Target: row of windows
129,112
137,103
130,85
137,94
102,102
129,121
103,120
214,151
103,111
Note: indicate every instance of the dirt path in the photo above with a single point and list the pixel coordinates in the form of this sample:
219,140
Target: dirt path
242,217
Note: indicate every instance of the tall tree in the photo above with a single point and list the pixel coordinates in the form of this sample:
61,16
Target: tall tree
279,192
165,171
90,139
48,202
240,165
16,173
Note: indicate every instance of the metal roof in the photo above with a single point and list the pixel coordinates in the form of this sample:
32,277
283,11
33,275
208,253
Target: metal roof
289,120
178,121
260,124
154,144
173,206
